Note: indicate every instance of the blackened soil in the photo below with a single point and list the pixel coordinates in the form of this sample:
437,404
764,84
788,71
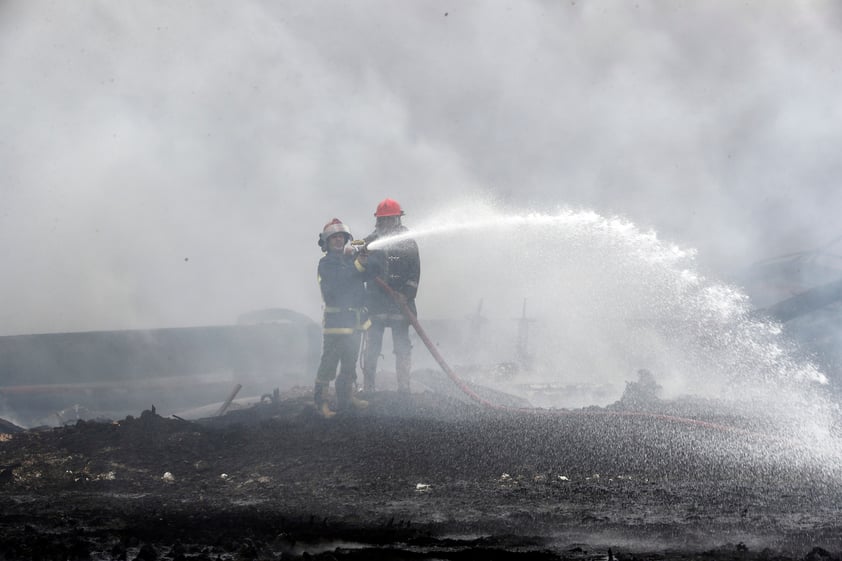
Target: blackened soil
414,477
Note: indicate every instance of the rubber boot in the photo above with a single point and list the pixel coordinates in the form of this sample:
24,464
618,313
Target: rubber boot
326,411
343,393
346,396
403,368
321,403
357,402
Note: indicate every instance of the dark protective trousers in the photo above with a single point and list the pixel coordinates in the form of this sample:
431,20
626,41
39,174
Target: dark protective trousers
374,345
342,351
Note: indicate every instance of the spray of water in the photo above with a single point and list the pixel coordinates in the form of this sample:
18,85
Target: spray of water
606,299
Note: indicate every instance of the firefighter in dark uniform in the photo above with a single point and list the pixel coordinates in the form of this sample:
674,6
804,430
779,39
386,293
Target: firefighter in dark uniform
341,280
398,265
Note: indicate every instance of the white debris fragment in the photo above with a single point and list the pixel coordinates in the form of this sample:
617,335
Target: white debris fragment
168,477
423,487
563,478
224,476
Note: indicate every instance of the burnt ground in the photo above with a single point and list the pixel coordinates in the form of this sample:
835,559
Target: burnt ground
414,477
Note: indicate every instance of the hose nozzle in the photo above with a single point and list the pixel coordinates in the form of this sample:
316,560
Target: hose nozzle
359,246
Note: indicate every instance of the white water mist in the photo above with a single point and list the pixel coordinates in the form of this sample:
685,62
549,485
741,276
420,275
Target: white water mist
606,299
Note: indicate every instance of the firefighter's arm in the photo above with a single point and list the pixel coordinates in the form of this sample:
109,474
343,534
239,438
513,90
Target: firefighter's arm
327,281
410,287
358,248
360,262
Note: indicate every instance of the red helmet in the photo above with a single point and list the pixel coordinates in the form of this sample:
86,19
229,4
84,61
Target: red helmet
388,207
335,226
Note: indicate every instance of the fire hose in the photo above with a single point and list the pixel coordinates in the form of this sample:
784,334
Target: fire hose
466,389
431,347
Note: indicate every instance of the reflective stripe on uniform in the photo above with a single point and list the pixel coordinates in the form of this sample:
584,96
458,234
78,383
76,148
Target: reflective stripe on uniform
384,317
357,311
338,330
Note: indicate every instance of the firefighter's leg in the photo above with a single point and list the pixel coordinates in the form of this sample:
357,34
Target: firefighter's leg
331,350
403,353
347,379
353,351
346,396
373,346
320,398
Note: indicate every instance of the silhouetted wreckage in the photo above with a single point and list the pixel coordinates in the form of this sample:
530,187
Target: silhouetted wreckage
803,292
807,302
64,377
643,392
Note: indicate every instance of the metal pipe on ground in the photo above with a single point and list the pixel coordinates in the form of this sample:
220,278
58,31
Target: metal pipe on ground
228,401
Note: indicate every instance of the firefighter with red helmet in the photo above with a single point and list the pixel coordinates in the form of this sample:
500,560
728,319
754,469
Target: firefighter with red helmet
398,265
341,276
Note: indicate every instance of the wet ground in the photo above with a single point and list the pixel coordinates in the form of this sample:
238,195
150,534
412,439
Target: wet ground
421,476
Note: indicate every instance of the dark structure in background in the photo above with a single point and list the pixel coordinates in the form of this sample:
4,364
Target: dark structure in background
53,377
803,291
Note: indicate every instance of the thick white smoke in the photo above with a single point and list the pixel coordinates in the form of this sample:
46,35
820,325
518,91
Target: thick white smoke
171,164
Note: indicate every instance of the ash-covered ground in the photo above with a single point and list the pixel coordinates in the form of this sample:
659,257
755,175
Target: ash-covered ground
420,476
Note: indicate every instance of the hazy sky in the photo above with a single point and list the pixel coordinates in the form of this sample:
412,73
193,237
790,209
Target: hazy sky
171,163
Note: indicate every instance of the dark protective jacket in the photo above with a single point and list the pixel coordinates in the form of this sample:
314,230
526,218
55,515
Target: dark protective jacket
341,280
399,265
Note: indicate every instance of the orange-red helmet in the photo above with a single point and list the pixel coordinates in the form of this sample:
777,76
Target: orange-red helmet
388,207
